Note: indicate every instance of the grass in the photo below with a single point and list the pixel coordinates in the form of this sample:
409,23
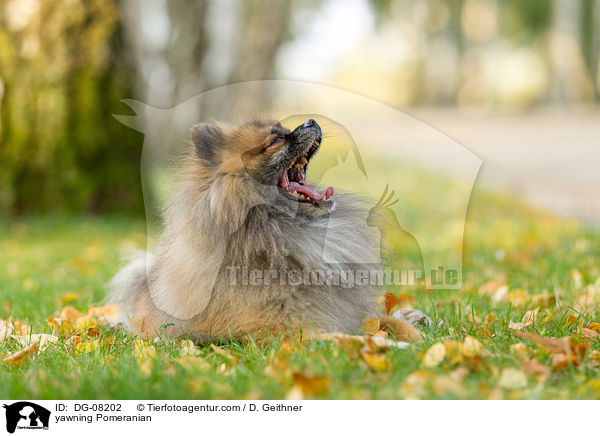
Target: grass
53,261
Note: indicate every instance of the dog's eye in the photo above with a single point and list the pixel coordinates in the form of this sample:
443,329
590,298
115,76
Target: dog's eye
276,140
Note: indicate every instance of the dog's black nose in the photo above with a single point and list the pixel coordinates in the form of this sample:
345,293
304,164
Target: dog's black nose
310,123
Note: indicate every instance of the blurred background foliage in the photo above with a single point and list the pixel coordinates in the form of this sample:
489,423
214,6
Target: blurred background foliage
66,64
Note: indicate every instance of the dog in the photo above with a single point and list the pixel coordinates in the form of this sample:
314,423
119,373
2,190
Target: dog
242,204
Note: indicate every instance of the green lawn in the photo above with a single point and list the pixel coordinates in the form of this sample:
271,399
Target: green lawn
49,262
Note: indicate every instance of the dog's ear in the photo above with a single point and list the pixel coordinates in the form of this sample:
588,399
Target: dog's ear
207,139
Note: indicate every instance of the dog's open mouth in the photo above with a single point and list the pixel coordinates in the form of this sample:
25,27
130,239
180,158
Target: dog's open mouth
293,179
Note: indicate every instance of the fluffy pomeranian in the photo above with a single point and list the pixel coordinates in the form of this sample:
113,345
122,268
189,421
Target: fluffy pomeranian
243,204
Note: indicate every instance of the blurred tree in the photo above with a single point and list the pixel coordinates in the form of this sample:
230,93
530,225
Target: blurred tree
62,74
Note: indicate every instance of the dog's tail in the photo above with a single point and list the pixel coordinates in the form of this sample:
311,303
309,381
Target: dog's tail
125,287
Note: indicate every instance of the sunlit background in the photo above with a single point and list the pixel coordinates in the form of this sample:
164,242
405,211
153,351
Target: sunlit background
515,81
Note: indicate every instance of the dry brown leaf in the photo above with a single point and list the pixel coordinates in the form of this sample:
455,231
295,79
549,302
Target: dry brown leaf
402,301
311,386
595,326
434,355
538,370
560,361
378,362
589,335
512,378
555,345
21,356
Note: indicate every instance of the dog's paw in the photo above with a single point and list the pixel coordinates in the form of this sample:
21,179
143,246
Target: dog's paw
413,317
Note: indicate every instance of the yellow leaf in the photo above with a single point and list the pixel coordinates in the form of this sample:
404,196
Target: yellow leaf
434,356
377,361
471,347
311,386
87,346
512,378
518,297
189,362
69,297
443,385
21,356
222,352
454,350
84,323
371,326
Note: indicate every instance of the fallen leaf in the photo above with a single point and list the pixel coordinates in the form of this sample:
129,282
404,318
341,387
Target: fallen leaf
378,362
371,326
555,345
434,355
520,349
60,326
6,329
517,325
459,374
530,316
512,378
42,340
87,346
595,326
222,352
21,356
69,297
471,347
311,386
517,298
538,370
189,362
108,312
70,313
589,335
443,385
84,323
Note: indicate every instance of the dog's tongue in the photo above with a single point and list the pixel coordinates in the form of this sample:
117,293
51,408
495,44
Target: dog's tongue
310,192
